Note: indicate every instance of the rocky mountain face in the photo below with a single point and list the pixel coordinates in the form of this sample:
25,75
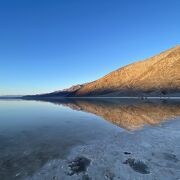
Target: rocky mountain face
159,75
156,76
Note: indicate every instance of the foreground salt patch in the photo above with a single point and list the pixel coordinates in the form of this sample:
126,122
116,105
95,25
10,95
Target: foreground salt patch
150,153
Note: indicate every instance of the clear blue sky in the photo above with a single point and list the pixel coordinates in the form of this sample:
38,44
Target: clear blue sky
47,45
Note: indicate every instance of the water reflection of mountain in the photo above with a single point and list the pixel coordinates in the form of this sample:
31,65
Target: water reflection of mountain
129,114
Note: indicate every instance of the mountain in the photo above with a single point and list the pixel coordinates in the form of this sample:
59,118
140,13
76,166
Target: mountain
11,97
155,76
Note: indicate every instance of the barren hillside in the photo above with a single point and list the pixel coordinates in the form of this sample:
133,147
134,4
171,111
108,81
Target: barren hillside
157,75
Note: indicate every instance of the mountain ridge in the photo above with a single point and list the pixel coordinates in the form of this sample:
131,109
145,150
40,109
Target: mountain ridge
155,76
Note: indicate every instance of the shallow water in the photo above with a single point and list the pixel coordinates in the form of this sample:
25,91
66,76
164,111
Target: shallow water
34,133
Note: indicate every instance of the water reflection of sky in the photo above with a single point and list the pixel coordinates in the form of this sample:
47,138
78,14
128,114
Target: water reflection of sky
32,133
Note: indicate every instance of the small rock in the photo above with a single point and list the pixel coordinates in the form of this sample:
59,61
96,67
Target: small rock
127,153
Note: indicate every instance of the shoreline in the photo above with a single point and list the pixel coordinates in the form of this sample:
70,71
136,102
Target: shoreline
103,97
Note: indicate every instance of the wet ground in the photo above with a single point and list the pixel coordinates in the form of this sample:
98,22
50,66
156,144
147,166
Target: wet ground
41,140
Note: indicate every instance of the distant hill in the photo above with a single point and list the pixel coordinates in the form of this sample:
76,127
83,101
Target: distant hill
11,97
156,76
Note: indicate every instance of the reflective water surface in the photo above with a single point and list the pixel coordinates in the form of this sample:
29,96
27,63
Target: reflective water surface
33,133
128,114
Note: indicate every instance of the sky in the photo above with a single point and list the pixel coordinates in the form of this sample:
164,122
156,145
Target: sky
48,45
